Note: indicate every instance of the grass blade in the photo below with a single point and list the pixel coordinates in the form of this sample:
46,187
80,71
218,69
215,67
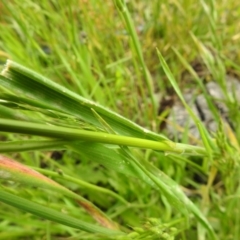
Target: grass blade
32,145
84,135
199,124
130,27
28,83
16,171
53,215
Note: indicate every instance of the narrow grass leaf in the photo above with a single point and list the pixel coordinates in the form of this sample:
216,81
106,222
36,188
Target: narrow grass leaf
199,124
23,81
82,184
13,170
53,215
32,145
84,135
175,193
202,131
137,47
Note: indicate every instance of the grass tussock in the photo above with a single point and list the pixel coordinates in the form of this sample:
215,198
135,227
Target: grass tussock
86,91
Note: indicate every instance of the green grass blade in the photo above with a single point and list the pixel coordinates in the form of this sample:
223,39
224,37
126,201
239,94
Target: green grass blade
82,183
84,135
34,86
137,47
173,191
53,215
32,145
199,124
13,170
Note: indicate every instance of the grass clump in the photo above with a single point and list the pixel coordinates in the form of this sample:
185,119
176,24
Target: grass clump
113,174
